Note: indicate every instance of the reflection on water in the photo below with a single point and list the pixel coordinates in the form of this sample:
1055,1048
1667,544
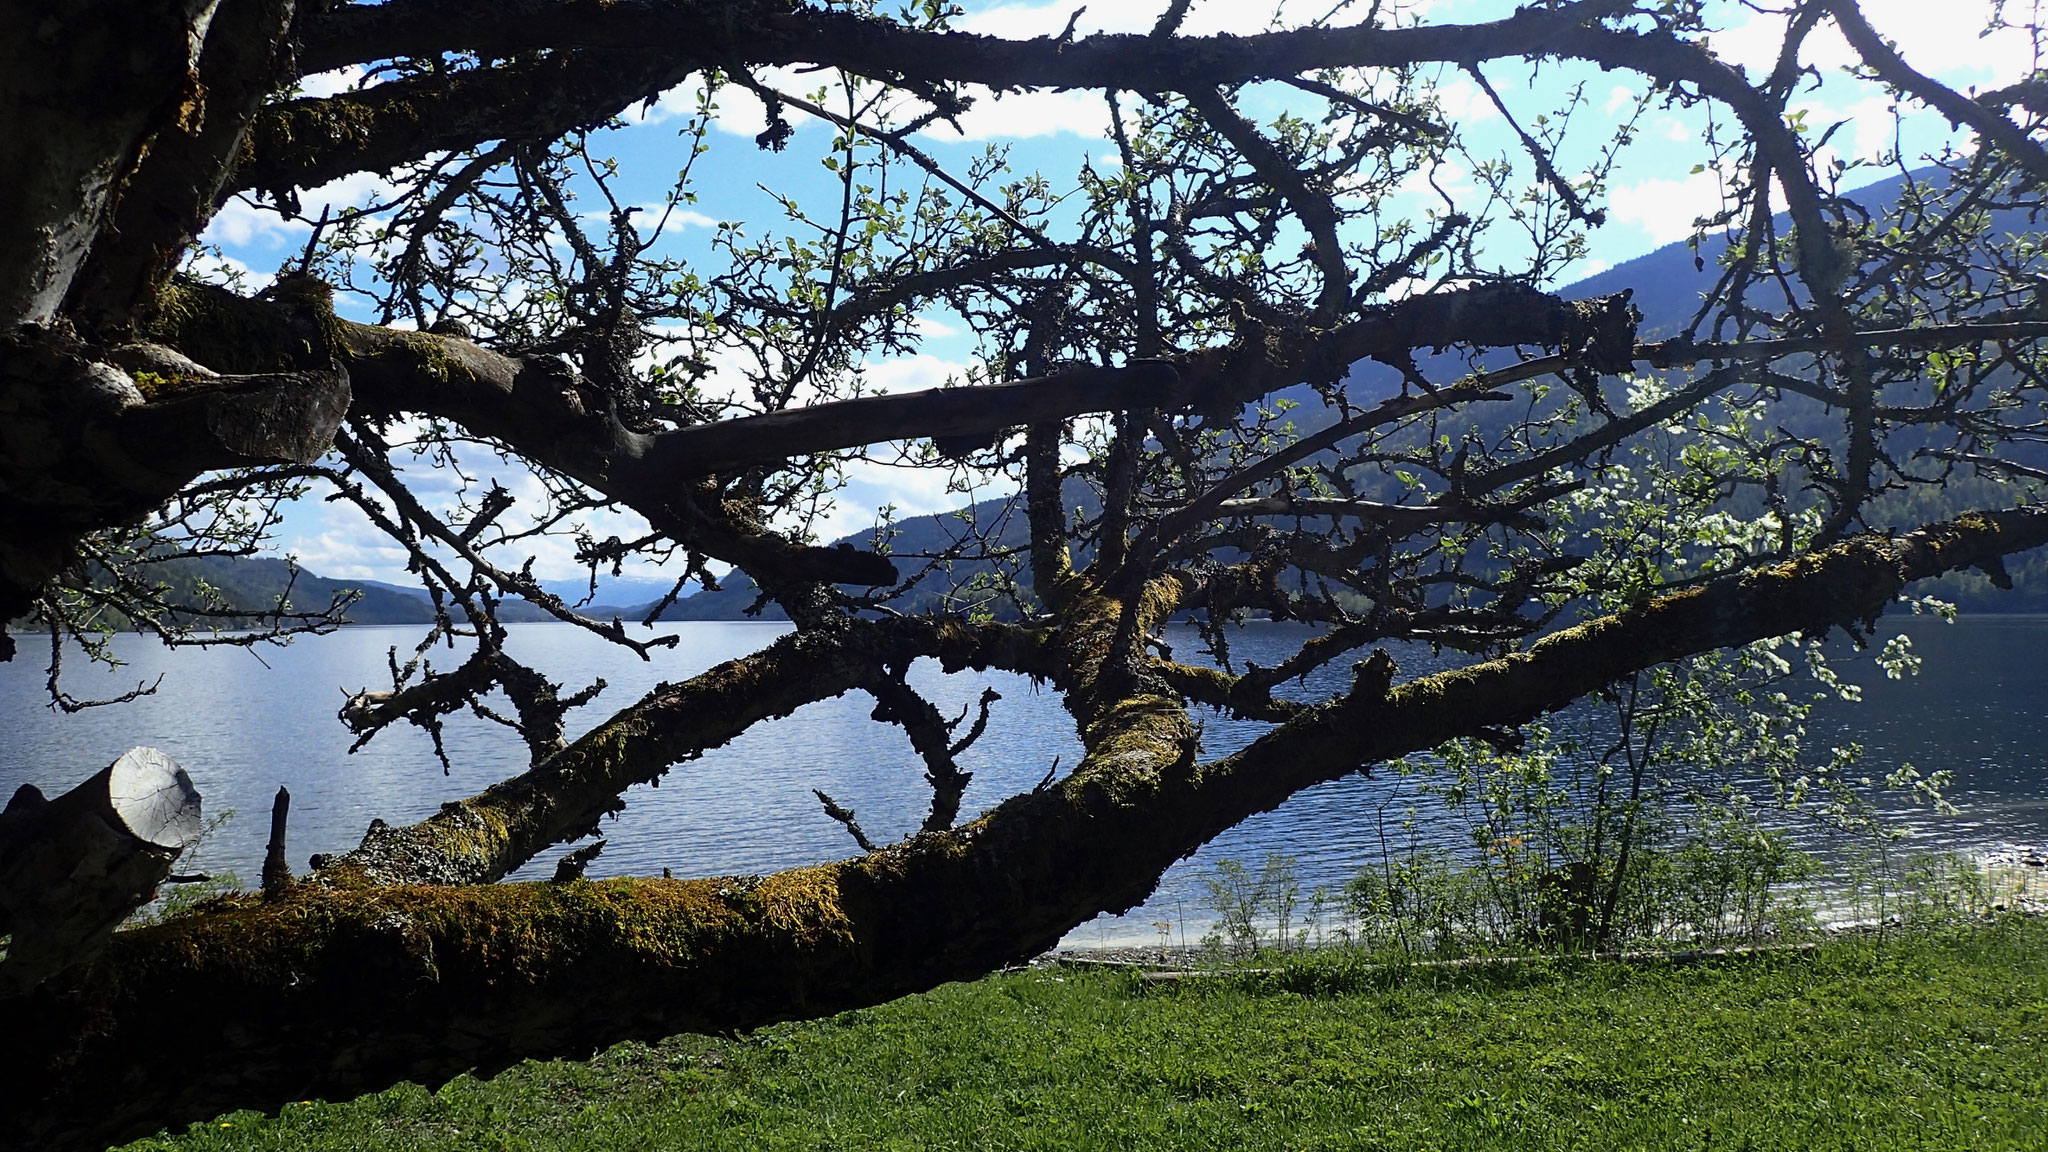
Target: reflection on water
244,723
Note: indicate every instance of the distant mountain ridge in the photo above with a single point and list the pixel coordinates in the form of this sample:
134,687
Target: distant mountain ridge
250,588
256,583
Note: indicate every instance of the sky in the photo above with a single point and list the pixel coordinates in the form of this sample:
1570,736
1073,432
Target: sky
1653,199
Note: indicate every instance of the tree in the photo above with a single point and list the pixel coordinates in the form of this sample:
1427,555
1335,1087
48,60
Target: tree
1143,331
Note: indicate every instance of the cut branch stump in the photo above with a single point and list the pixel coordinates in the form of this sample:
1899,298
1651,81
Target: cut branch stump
73,868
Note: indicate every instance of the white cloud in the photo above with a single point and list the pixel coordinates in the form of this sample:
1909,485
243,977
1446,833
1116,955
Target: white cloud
934,329
241,223
741,113
1875,128
355,189
644,216
1947,43
1665,208
344,554
1752,45
913,373
1022,115
1464,104
324,84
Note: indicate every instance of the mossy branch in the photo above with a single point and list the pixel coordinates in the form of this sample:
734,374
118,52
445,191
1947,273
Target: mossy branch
333,986
489,835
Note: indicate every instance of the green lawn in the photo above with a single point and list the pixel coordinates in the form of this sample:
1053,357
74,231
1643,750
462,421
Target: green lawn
1936,1041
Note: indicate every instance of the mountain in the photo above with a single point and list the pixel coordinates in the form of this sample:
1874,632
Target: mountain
912,542
255,584
1667,285
252,585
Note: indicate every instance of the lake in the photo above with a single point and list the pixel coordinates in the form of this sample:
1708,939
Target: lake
243,721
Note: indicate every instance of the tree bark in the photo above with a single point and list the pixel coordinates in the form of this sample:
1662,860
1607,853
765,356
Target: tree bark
73,868
777,32
83,448
83,87
173,190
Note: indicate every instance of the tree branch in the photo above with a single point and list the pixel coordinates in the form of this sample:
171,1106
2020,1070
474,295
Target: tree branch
307,142
897,703
511,971
483,838
777,32
1314,209
166,202
1890,67
82,447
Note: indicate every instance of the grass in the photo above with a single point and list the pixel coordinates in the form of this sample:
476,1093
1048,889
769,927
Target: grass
1937,1041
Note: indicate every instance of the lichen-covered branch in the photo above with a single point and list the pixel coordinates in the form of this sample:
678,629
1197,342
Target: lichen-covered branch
1241,696
335,986
480,839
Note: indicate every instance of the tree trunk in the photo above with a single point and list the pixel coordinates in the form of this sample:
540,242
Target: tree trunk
82,88
333,991
73,868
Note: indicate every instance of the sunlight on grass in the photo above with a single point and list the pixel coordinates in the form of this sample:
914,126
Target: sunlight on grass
1930,1041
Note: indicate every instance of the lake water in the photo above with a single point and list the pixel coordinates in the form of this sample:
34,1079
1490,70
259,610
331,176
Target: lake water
245,721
